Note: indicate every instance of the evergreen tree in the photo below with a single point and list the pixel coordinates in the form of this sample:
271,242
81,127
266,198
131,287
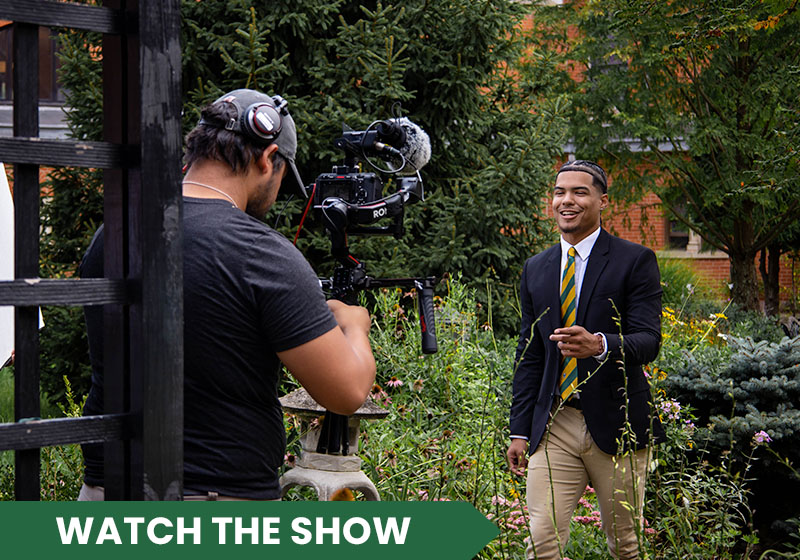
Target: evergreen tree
751,387
456,68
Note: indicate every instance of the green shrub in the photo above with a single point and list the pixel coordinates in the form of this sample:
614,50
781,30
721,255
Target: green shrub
757,388
64,353
446,434
753,324
680,283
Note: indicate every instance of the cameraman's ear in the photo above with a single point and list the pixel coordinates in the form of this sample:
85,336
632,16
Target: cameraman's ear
266,161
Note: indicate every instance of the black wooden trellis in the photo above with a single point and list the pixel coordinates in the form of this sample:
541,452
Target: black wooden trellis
142,291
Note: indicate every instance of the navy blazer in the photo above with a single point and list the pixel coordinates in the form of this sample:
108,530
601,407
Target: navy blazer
620,297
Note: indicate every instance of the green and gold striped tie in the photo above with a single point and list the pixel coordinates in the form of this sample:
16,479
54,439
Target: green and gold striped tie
569,366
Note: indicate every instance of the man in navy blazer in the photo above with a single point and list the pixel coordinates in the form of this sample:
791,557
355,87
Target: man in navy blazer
602,432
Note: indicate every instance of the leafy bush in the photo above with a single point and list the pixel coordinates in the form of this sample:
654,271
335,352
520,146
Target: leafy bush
753,324
738,387
681,284
698,505
446,435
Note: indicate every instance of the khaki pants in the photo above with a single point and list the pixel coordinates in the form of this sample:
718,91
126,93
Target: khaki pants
570,460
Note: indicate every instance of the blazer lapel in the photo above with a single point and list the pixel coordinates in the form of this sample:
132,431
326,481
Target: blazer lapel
598,259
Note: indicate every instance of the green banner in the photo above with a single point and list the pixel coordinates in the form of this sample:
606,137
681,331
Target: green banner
329,530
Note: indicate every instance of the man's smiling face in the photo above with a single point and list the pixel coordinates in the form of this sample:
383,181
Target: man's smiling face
577,204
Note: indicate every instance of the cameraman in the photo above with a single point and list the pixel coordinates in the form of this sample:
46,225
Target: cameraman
251,301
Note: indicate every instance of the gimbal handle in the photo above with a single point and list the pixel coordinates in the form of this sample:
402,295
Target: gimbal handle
348,281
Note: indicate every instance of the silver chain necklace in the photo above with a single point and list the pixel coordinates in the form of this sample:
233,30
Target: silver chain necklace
223,193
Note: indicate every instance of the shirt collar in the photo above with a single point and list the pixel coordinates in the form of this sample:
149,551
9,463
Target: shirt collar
584,247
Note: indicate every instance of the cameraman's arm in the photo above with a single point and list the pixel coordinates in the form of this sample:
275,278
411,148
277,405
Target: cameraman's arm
337,369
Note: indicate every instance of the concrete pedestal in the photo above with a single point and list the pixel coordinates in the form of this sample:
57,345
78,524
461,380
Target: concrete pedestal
327,473
327,483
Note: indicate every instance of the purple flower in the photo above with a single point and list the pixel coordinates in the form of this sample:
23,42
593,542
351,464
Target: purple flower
671,408
761,437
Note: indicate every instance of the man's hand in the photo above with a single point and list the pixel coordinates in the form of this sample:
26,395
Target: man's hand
517,456
577,342
350,316
337,369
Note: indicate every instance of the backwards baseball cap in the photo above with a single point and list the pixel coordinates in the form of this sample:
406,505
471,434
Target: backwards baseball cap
263,120
589,167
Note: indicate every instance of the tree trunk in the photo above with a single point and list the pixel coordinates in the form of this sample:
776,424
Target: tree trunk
769,266
744,279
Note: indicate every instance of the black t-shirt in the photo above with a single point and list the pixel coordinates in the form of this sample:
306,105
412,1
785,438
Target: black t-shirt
248,294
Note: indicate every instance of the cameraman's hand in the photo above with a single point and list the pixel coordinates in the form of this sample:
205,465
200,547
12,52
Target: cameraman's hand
350,316
338,368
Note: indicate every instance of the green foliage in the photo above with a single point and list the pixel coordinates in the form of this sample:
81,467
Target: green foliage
753,324
681,284
699,510
61,466
756,389
64,352
457,70
697,503
445,436
738,387
80,74
704,94
7,394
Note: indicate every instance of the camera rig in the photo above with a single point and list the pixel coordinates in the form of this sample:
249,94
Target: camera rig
350,202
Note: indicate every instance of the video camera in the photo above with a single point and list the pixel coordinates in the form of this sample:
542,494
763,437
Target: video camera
349,201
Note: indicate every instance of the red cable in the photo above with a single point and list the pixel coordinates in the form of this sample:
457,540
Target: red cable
303,219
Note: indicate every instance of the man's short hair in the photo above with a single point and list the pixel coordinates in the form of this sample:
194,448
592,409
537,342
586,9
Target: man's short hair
225,132
599,178
206,141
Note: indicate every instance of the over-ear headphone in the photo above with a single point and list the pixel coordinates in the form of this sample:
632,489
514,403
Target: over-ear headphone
263,122
260,121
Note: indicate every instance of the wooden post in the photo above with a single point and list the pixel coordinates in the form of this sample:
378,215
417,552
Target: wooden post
162,249
26,249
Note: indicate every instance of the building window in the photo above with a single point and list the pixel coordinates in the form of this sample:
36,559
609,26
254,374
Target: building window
678,235
49,89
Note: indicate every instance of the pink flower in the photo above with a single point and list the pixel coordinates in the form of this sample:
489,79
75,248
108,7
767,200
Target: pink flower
671,408
761,437
394,382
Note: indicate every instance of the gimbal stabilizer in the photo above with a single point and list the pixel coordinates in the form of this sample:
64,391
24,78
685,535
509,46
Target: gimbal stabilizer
349,201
